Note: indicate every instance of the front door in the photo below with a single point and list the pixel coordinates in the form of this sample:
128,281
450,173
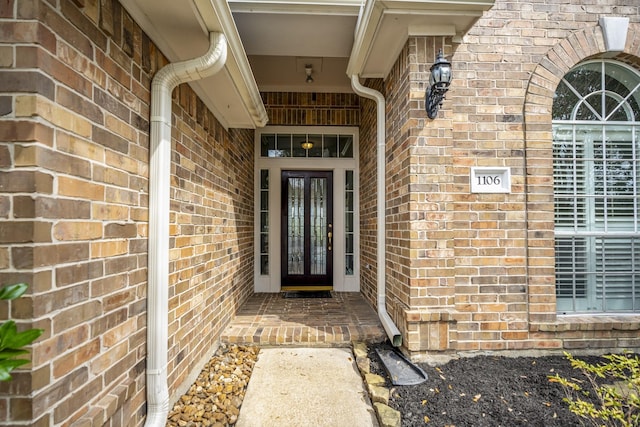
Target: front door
307,229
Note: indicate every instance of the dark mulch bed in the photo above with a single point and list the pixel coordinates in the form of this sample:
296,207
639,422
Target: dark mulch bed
486,391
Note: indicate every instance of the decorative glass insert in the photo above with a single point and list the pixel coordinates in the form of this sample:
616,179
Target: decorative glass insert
349,194
596,176
318,219
295,232
306,145
264,222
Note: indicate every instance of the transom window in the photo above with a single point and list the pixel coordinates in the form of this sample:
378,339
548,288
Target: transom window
596,122
306,145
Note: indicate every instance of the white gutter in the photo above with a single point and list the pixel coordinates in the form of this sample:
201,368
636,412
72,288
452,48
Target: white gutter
392,330
162,86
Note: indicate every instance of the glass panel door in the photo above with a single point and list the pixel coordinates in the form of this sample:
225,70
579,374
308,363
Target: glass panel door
307,228
319,226
295,227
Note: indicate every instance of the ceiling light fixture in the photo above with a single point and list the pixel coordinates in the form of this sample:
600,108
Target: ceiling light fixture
307,145
308,69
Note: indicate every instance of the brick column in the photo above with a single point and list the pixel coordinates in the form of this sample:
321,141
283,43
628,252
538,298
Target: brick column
420,186
23,228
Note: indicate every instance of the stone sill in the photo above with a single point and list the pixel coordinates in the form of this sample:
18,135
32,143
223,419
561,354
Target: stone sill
585,322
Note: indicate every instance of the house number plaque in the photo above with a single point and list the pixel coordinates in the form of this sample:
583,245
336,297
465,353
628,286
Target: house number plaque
490,180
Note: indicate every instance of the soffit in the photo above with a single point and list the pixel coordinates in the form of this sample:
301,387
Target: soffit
281,38
271,42
180,30
385,26
339,38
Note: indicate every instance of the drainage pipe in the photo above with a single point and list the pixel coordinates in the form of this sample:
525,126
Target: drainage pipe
392,330
162,86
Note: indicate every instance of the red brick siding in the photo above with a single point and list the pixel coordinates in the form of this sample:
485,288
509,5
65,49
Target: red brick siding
211,270
368,196
475,271
74,204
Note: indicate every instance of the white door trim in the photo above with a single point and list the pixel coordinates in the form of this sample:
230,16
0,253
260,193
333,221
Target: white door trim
270,282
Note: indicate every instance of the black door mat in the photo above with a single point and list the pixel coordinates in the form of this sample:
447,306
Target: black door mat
306,294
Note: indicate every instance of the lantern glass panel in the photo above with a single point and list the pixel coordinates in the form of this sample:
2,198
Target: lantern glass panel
435,75
445,72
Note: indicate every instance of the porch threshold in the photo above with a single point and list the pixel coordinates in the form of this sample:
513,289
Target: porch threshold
270,320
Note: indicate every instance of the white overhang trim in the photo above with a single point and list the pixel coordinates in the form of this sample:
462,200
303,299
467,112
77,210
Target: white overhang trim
374,13
329,7
215,12
368,22
212,15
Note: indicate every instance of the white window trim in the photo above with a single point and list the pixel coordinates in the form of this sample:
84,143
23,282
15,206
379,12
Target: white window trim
275,166
590,227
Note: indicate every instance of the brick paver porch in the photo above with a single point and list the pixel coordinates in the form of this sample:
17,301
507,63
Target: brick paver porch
271,319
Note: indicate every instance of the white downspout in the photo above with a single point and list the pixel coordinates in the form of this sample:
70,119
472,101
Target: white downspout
392,330
159,186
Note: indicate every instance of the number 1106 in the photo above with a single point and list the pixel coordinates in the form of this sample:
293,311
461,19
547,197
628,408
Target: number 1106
488,179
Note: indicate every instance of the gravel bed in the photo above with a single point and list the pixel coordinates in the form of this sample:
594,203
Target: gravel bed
214,399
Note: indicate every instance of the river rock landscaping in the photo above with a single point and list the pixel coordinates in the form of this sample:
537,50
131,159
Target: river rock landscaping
214,399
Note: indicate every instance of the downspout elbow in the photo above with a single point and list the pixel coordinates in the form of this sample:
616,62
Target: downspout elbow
387,323
159,188
171,75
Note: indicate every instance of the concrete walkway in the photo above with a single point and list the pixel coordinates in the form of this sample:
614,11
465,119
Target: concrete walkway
299,387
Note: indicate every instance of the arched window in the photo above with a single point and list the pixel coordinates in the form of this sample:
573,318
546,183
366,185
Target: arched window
596,144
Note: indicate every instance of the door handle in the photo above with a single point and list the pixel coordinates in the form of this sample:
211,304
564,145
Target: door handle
330,235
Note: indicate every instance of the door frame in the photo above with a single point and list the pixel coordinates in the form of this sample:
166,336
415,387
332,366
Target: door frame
270,282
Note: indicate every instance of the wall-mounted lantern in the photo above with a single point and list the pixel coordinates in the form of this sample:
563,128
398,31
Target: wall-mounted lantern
438,85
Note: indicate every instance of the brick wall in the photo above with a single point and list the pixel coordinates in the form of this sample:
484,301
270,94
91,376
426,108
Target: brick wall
398,185
74,130
490,243
465,271
312,109
476,271
211,246
502,116
419,239
368,196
